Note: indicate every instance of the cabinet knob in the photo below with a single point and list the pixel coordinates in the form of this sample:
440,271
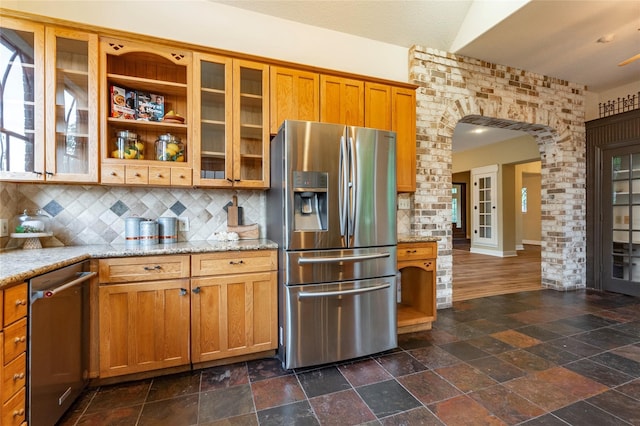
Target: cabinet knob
20,302
113,174
183,292
240,262
18,376
137,175
21,339
196,290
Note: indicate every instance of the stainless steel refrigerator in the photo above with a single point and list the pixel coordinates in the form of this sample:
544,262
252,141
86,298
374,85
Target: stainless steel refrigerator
332,210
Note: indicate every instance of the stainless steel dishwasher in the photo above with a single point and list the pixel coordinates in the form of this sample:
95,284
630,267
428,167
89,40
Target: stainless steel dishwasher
58,349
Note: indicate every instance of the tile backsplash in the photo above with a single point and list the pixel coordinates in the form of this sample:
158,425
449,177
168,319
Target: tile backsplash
94,214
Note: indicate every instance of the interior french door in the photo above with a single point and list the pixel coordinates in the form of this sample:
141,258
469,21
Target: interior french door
620,213
485,217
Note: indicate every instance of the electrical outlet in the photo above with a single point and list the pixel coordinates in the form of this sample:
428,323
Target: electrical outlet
183,224
404,203
4,227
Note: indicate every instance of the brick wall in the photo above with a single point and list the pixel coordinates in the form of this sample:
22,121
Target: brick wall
456,89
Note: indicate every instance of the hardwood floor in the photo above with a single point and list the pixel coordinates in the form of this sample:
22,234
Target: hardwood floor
478,275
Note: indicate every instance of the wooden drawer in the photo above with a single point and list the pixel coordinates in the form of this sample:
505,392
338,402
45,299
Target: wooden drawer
14,377
236,262
417,251
15,303
15,340
13,411
147,268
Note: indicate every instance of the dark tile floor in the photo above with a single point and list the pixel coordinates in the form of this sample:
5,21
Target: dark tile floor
536,358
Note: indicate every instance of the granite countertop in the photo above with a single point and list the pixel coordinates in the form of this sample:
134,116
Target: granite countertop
416,238
19,265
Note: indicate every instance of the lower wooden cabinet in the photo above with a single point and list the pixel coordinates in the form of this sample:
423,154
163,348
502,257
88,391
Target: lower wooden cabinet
233,315
143,326
221,305
13,357
417,266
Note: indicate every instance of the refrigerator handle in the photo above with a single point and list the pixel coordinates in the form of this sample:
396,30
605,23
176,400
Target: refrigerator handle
352,186
343,187
312,294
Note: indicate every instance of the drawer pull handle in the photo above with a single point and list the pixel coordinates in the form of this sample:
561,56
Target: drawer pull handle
152,268
18,376
411,251
240,262
19,412
20,339
21,302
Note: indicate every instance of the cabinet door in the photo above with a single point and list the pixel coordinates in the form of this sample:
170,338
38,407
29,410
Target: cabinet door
143,327
22,112
341,101
72,110
233,315
377,106
213,147
295,95
250,124
403,122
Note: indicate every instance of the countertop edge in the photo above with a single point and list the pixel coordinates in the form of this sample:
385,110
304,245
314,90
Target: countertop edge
20,265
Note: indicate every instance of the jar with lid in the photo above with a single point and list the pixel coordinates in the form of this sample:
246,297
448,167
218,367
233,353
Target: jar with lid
170,148
128,146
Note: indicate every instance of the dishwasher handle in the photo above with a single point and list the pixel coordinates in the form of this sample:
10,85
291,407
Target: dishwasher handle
82,277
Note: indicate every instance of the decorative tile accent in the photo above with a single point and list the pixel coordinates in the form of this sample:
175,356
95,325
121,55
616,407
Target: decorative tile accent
119,208
53,208
178,208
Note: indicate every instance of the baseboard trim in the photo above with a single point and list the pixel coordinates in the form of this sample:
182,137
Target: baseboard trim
532,242
496,253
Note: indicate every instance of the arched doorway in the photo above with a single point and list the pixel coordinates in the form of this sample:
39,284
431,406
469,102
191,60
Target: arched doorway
456,89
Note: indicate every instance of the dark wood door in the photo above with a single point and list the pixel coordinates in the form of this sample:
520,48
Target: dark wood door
459,220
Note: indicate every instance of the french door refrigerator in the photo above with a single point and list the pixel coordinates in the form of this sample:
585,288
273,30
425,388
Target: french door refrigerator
332,210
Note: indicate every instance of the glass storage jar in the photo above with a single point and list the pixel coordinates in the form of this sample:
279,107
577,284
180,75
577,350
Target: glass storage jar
170,148
128,146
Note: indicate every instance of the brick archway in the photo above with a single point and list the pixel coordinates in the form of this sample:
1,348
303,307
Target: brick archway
456,89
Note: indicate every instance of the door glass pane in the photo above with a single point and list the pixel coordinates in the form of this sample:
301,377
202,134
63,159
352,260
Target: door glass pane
17,112
625,210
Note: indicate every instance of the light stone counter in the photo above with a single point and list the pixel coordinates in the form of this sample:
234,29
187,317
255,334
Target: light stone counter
416,238
19,265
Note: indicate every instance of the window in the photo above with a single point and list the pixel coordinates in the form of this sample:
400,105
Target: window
523,199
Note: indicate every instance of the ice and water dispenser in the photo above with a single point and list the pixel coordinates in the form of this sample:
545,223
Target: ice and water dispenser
310,201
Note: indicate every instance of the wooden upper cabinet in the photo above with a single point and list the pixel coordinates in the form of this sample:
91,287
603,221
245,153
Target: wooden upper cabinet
295,95
377,106
403,122
341,100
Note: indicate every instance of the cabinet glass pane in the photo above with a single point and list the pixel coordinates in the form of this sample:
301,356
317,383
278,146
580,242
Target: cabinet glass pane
213,126
17,124
251,120
72,106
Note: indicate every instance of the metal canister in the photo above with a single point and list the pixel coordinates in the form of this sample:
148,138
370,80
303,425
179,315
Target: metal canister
132,230
167,230
148,232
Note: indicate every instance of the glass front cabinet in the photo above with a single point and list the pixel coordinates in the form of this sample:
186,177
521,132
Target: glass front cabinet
48,118
232,116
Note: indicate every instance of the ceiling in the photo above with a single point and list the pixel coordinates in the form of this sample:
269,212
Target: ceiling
554,38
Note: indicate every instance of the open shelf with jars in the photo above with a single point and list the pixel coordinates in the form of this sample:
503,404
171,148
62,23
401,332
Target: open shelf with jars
146,132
